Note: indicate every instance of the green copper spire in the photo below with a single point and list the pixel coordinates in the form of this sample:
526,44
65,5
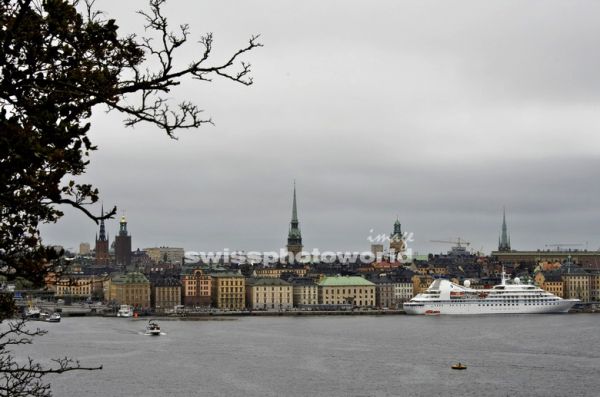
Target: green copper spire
294,209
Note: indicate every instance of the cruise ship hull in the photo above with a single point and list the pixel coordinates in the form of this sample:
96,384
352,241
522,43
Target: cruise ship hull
481,307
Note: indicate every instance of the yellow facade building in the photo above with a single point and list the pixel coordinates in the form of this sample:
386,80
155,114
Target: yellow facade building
79,287
346,290
268,294
129,289
577,284
550,281
228,291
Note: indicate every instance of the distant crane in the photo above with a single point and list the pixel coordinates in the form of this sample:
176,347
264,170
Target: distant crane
560,245
459,242
458,246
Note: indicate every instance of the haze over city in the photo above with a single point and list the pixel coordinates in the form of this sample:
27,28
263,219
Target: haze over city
439,114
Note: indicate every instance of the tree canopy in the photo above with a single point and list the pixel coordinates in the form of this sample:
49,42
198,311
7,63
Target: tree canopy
58,61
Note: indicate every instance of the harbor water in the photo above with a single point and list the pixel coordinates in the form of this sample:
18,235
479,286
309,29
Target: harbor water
506,355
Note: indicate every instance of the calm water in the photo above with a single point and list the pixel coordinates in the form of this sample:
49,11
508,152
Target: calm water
535,355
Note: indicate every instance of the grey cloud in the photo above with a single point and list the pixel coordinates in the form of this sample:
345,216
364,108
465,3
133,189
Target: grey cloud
440,113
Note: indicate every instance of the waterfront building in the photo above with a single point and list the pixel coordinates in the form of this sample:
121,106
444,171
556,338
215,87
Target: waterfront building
305,292
84,248
228,291
101,249
550,281
165,254
576,282
391,290
268,294
385,292
129,289
196,287
403,290
79,287
165,294
123,245
294,242
504,239
346,290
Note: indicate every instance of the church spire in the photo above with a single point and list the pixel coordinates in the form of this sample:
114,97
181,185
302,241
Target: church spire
294,243
102,255
294,209
102,228
504,241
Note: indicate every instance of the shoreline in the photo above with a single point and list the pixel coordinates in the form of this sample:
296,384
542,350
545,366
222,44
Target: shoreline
233,315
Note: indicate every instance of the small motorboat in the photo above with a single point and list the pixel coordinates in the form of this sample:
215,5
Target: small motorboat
125,311
152,328
432,313
32,312
459,366
53,318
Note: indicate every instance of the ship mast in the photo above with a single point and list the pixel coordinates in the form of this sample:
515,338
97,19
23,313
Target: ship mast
503,277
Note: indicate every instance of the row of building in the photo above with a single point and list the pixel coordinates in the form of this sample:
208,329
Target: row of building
229,290
570,282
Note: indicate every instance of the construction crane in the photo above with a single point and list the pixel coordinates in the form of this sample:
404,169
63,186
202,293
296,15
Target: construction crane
459,242
559,245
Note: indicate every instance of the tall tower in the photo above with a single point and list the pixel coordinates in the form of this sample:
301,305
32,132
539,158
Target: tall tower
102,256
397,243
294,242
123,245
504,240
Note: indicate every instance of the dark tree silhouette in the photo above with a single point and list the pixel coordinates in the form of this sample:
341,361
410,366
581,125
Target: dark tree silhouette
26,378
59,60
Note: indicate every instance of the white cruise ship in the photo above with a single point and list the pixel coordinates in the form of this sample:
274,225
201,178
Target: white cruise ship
445,297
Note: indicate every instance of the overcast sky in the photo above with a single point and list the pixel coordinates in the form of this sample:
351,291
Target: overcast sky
437,112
